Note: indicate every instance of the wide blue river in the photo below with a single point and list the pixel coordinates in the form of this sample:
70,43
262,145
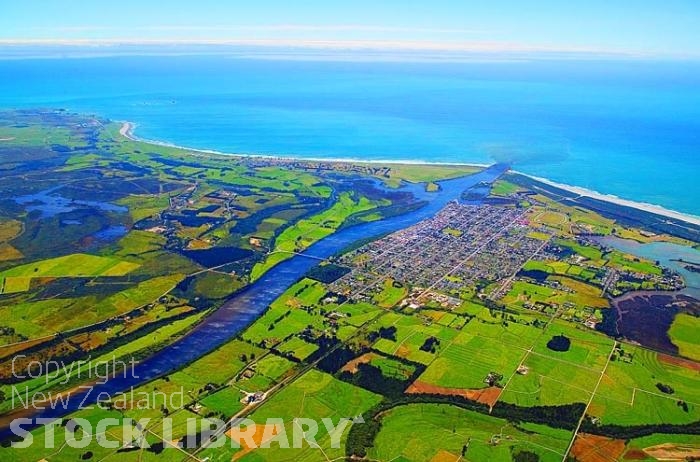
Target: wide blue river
245,307
629,128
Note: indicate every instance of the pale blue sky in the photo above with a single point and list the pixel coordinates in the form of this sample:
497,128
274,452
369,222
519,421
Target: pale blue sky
650,27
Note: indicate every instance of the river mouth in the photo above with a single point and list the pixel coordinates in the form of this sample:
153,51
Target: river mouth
244,308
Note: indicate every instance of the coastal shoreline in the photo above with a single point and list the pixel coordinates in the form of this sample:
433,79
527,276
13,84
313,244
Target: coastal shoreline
127,131
644,206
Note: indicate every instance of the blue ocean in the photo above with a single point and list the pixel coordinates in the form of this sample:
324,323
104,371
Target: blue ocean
629,128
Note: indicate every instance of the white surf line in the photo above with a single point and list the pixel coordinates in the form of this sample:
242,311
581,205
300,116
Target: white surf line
588,405
289,157
127,130
613,199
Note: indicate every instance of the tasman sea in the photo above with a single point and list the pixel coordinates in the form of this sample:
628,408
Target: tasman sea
627,128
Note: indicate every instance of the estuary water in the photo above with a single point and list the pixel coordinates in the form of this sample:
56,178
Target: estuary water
673,256
246,306
629,128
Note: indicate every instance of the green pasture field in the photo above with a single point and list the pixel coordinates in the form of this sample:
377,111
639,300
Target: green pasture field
45,317
75,265
504,188
226,402
314,395
144,205
80,161
60,451
433,315
439,432
588,348
411,334
265,178
273,366
469,307
291,321
683,441
356,314
426,173
555,377
311,293
519,334
552,219
38,135
285,315
13,285
123,352
538,265
298,348
317,391
267,228
258,382
560,268
628,394
587,219
391,367
522,291
217,368
449,319
550,382
628,262
305,232
582,295
591,253
288,316
179,425
390,295
466,362
137,243
684,334
216,285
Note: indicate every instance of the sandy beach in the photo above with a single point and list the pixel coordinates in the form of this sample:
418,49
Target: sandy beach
127,130
651,208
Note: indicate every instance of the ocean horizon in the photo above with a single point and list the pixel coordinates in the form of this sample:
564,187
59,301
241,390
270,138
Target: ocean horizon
628,129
